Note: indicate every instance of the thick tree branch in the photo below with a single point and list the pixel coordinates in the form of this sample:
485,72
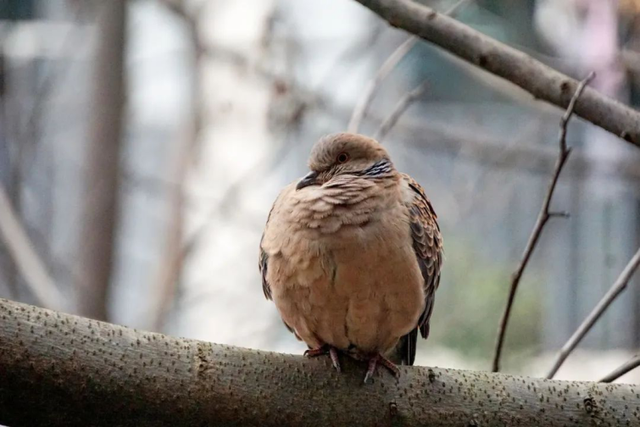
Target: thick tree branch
59,369
541,81
543,217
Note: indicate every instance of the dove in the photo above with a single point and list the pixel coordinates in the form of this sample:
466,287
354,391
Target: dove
351,256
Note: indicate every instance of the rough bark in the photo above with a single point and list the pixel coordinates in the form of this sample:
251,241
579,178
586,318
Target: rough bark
103,163
62,370
541,81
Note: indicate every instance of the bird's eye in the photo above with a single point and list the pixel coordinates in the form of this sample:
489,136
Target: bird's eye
342,158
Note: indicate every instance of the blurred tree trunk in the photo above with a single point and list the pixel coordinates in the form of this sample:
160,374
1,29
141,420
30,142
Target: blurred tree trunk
7,267
175,253
100,209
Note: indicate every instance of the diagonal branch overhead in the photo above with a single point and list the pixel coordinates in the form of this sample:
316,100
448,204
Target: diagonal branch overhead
538,79
64,370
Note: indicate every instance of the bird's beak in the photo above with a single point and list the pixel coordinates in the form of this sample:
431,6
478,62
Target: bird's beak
309,179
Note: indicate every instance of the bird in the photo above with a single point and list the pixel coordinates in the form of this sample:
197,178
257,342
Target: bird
351,256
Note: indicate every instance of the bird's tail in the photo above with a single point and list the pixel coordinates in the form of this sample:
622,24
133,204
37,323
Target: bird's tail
405,351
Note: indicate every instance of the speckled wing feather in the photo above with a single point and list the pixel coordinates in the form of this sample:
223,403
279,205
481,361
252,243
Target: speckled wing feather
262,265
427,244
263,261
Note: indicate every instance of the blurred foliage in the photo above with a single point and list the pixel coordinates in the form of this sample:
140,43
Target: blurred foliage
509,22
16,9
470,302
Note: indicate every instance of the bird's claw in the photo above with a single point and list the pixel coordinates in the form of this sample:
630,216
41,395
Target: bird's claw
379,359
315,352
325,349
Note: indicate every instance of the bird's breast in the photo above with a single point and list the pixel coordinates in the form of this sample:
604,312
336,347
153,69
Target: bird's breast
358,286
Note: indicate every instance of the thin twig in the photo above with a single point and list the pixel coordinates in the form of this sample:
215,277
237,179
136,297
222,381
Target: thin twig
629,365
391,62
615,290
544,216
399,109
25,257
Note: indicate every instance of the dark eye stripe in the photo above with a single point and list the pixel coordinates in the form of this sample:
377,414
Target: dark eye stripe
379,168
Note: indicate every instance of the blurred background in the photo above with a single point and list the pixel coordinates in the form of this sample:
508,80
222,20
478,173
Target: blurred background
142,143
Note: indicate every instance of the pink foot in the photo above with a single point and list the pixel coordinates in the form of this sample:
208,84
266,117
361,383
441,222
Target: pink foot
326,349
379,359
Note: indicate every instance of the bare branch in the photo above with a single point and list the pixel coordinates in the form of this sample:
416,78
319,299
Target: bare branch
63,370
615,290
629,365
31,267
399,109
541,81
543,217
389,65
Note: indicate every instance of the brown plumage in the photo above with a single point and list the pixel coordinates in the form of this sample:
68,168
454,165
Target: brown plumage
351,254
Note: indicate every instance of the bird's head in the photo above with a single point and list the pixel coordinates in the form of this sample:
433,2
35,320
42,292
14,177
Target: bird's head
346,154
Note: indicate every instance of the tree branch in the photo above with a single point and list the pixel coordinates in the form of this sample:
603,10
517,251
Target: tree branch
544,216
541,81
63,370
628,366
615,290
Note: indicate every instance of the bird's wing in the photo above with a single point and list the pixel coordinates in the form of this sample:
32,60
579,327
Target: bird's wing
263,261
427,244
262,265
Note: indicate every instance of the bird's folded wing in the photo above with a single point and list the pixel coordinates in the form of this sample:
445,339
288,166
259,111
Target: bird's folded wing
262,265
263,261
427,244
